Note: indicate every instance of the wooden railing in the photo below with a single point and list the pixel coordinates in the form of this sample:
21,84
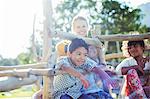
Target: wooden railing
41,69
36,66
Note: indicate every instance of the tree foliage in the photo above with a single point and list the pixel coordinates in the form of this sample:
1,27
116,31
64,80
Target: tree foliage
120,18
8,61
26,58
113,16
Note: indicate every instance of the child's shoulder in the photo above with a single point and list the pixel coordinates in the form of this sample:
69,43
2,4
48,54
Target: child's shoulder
89,64
129,59
62,58
90,61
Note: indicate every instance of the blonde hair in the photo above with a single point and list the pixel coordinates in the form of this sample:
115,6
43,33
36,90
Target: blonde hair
60,47
78,18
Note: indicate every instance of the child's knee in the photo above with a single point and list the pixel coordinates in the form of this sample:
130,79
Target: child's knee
132,72
132,76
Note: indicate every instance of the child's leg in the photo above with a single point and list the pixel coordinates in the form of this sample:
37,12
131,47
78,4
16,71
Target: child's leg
85,96
37,95
100,95
134,84
105,87
66,97
105,95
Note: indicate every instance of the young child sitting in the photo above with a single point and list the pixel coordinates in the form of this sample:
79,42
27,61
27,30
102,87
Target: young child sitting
137,84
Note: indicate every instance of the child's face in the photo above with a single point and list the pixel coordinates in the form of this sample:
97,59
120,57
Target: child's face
92,52
78,56
80,27
135,50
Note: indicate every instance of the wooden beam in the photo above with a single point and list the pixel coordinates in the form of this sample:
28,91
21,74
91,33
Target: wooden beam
124,37
70,36
15,82
97,42
37,65
8,73
28,72
113,55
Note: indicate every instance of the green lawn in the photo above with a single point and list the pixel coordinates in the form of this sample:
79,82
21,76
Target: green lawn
26,91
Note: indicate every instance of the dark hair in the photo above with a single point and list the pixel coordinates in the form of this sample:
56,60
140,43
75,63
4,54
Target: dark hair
141,43
66,48
76,43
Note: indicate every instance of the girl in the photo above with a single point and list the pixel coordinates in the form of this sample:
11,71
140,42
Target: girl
133,67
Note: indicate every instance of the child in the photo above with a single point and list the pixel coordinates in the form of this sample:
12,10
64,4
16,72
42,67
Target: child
80,27
133,67
69,84
61,51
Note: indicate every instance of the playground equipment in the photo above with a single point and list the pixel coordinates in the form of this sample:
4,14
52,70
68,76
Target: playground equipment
42,69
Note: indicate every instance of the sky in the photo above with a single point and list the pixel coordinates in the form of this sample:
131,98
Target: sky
16,24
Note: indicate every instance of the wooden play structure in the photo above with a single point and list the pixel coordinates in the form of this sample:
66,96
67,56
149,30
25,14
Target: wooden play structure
42,69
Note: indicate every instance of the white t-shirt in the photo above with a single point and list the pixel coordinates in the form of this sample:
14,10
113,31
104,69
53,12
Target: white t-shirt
130,62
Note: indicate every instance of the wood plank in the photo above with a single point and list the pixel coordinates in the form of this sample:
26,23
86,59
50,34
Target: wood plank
37,65
124,37
114,55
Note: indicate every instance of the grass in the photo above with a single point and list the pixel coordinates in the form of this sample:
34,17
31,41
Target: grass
26,91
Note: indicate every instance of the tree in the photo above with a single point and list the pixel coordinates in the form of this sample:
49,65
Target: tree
8,61
25,58
113,16
120,18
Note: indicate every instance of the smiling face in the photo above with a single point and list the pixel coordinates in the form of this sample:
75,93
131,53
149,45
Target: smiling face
135,50
80,27
78,56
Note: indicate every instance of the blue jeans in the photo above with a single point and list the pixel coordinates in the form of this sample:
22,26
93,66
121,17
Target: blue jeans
83,96
100,95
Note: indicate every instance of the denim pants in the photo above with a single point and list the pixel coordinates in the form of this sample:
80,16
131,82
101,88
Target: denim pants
83,96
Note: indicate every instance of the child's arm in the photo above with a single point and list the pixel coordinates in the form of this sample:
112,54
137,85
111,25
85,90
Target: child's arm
139,67
73,72
105,77
124,70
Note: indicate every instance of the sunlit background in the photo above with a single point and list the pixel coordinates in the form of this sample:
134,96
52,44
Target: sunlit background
16,23
20,19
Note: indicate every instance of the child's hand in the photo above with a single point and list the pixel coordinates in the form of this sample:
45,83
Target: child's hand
84,82
147,59
140,70
111,82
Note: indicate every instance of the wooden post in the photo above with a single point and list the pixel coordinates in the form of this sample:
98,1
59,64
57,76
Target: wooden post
100,50
47,11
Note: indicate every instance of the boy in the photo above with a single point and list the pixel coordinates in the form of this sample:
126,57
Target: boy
78,66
